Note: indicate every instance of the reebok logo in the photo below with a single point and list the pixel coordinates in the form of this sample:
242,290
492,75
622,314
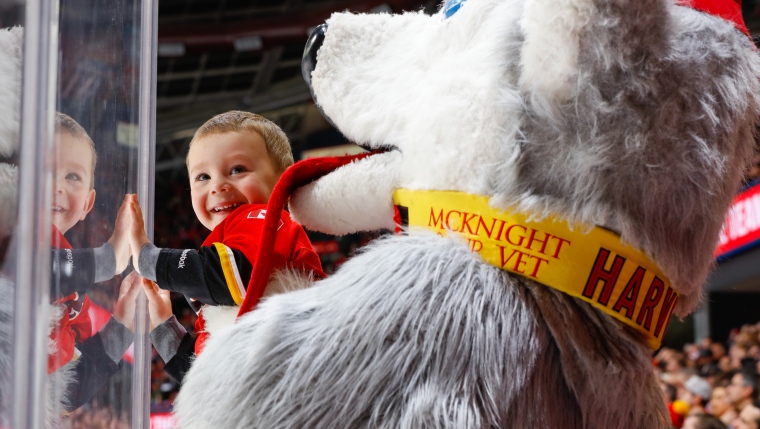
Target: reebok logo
69,258
68,269
182,258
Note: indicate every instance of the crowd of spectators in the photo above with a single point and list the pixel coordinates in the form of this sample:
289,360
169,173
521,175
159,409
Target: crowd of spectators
96,416
709,385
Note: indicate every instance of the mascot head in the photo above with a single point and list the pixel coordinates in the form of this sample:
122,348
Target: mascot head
558,110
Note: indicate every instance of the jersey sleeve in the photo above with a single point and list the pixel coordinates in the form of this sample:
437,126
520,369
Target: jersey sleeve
72,271
93,369
180,363
215,275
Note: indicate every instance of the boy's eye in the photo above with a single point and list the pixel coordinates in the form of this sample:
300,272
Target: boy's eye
238,169
73,176
202,177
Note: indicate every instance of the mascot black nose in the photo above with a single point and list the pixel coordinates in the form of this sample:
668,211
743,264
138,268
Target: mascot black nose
309,61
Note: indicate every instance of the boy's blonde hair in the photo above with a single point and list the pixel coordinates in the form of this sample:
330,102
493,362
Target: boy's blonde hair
66,124
275,140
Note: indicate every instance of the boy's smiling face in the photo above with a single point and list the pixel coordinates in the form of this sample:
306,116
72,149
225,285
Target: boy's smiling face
73,196
228,170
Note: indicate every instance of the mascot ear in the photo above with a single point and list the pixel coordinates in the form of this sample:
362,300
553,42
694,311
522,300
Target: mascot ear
11,42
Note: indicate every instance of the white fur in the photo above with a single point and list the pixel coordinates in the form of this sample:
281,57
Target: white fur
452,93
218,318
552,41
372,183
62,380
11,43
59,383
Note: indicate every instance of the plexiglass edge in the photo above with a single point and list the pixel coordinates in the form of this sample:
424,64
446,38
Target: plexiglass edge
145,192
32,293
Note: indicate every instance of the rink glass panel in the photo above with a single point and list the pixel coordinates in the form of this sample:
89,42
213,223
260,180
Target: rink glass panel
98,86
95,80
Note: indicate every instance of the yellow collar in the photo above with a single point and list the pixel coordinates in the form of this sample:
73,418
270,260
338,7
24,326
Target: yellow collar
594,266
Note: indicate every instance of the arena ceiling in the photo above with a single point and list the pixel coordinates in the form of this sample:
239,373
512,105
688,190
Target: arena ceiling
218,55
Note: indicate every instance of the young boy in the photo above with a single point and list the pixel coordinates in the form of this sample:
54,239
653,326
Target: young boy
233,163
94,357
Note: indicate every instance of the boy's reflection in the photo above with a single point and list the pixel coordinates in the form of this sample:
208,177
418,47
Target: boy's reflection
90,358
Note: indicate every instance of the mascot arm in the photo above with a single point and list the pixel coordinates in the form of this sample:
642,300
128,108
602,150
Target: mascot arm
356,197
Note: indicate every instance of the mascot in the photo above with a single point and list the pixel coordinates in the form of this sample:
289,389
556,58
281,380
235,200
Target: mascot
560,172
11,42
60,380
79,361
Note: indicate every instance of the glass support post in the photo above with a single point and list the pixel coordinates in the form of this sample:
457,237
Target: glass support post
32,293
145,192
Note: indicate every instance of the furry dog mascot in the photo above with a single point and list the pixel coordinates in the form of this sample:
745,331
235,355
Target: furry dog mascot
65,372
11,43
564,168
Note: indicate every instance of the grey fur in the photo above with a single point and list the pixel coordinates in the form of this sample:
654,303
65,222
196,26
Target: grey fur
385,344
6,350
660,130
58,383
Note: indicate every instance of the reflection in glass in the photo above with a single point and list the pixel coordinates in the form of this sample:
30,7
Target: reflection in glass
10,76
87,352
95,166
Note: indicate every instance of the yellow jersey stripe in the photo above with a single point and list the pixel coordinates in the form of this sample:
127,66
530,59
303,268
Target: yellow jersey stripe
231,274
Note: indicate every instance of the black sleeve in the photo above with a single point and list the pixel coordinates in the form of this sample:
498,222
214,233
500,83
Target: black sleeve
178,365
201,274
93,369
73,271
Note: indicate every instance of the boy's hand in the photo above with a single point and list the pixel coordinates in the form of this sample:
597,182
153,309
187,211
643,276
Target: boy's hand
159,303
137,236
119,240
124,310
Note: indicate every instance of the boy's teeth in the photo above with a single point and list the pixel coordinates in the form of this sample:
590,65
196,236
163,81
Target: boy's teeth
218,209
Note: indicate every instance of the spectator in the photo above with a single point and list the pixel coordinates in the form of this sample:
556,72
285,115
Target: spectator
749,418
695,393
743,390
703,421
720,406
669,392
